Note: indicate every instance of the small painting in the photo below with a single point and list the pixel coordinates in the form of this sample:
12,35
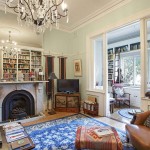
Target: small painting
77,68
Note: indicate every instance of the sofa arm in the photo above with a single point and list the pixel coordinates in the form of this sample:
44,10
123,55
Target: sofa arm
140,118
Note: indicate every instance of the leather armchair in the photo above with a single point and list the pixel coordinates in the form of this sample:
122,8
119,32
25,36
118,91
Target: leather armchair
137,133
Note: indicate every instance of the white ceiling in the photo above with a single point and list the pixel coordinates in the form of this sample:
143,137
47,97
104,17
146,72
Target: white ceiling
80,12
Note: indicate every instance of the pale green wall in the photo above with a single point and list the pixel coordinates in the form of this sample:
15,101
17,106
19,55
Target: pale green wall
58,43
76,41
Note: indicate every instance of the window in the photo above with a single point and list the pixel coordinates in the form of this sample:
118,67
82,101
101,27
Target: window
98,63
131,69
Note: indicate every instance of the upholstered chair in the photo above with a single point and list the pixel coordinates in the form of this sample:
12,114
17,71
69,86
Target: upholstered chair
120,96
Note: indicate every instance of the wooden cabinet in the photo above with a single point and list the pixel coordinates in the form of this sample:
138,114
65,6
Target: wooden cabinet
20,64
67,102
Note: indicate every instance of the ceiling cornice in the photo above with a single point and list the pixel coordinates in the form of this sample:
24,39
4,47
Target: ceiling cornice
113,5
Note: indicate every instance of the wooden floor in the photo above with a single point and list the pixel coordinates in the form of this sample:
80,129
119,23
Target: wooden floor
48,117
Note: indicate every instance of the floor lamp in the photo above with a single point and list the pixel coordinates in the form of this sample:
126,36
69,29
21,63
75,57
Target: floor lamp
51,80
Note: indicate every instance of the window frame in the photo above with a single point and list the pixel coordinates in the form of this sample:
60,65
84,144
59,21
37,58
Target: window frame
134,54
90,63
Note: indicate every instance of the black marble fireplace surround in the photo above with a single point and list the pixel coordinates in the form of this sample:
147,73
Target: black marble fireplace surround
17,104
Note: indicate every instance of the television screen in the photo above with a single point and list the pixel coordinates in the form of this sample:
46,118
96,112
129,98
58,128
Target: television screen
68,85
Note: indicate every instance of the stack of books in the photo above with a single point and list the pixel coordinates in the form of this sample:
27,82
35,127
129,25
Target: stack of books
103,132
16,135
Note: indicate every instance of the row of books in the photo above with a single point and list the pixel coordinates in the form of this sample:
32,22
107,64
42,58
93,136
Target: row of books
16,136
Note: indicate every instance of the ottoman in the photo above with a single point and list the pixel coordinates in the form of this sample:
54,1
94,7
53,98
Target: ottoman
87,139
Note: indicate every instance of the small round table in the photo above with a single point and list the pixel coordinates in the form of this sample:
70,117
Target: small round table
134,111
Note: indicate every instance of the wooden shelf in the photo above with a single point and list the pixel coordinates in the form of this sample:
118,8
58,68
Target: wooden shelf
22,62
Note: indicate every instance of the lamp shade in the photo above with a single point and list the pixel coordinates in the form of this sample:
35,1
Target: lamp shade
52,76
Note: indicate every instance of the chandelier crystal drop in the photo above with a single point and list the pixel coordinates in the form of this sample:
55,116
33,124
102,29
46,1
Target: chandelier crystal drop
9,47
39,14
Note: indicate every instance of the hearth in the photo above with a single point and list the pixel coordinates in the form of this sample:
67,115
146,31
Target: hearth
17,105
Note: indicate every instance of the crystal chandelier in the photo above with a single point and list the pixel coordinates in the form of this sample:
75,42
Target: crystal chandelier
9,47
39,14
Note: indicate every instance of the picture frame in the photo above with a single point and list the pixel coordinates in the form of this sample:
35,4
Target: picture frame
77,68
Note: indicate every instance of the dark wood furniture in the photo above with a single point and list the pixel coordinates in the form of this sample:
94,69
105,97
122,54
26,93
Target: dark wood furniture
90,106
67,102
111,105
7,146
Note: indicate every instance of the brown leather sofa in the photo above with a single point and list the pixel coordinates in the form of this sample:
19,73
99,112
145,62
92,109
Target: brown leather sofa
137,133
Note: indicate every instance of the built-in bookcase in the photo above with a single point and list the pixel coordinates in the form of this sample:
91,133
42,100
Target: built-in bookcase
21,63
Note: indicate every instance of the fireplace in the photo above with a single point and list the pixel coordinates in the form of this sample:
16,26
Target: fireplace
17,105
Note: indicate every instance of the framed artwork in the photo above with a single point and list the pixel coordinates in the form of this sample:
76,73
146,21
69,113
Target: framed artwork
77,68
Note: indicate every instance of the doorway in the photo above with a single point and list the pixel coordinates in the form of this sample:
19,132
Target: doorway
124,78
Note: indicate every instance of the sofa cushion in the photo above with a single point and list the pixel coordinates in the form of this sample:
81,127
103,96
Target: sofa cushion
119,92
147,122
141,117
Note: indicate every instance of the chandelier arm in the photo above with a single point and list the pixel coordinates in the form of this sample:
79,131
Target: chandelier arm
57,4
11,6
21,2
29,9
15,10
15,7
50,11
62,15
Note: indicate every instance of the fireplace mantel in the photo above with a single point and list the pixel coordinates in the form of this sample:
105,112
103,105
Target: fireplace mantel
22,82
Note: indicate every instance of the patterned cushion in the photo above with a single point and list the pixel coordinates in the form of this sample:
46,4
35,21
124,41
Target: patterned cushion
119,92
147,122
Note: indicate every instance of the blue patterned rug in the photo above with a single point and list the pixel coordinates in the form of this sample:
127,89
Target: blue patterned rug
60,134
125,112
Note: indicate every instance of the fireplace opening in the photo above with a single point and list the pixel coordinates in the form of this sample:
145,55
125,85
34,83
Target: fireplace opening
17,105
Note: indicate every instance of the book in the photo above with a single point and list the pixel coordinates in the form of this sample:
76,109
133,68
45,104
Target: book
9,129
103,132
16,130
20,143
15,136
11,125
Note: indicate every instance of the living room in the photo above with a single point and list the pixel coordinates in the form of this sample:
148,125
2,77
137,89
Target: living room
75,42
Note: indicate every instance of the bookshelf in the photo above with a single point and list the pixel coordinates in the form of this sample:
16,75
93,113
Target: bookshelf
18,67
9,67
110,66
35,59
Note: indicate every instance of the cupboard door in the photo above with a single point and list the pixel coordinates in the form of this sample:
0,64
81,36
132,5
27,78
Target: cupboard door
72,102
60,101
